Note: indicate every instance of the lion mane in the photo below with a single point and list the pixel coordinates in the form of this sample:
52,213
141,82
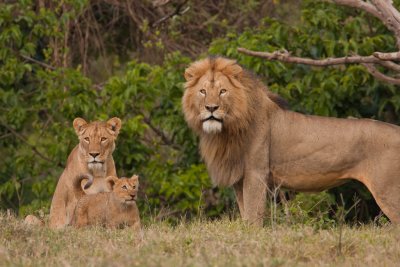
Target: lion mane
224,152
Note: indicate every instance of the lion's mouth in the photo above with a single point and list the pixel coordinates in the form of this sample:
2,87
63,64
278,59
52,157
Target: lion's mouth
132,200
212,118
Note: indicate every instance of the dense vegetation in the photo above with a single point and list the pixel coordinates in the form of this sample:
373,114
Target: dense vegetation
97,59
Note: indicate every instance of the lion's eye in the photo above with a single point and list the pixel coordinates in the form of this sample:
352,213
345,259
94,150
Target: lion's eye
124,187
86,139
134,186
103,139
203,91
223,91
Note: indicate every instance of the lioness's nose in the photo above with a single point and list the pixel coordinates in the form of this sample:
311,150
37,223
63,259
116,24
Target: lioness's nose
94,155
212,108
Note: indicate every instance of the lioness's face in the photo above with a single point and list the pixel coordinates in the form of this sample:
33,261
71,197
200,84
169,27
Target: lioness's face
125,189
214,99
96,140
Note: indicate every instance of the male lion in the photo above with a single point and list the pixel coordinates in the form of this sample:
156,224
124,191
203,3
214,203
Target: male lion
93,155
112,209
249,141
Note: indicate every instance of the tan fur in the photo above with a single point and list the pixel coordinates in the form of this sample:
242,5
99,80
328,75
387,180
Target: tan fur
33,221
94,138
259,144
111,209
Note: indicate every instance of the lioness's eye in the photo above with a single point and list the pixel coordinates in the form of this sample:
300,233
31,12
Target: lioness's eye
86,139
134,186
202,91
103,139
223,91
124,187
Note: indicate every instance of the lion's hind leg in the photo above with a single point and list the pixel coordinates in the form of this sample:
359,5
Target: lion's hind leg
386,191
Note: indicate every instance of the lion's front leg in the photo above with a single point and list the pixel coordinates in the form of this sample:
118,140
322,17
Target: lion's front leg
254,198
239,196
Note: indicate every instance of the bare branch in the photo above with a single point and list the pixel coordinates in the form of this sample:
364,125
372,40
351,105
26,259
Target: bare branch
380,76
165,139
177,12
34,149
47,66
390,65
367,7
285,56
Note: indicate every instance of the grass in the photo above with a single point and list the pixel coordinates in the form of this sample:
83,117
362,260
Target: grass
198,243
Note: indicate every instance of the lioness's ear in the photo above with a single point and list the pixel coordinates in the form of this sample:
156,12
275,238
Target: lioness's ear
114,125
110,181
78,125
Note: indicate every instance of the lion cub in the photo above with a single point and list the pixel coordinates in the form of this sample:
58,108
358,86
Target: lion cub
111,209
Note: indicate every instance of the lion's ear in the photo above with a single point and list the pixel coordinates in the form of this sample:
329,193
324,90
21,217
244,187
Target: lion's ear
114,124
135,177
110,181
189,74
79,124
234,70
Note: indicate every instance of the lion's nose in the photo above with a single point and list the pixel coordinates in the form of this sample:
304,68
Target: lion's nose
212,108
94,155
133,195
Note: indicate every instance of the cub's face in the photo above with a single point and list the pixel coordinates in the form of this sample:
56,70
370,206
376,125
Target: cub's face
96,140
213,99
125,189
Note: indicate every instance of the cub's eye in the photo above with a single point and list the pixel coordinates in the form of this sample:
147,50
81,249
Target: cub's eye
134,186
203,91
86,139
124,187
103,139
223,91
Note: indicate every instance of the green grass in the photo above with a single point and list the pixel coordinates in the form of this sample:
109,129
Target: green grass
199,243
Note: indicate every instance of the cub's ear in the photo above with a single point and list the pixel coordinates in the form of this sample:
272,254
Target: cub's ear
79,124
135,177
114,125
110,181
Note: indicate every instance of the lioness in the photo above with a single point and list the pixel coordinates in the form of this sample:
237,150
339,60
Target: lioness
111,209
249,141
92,155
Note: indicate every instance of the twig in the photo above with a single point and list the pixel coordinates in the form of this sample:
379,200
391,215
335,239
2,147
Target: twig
47,66
34,148
177,12
161,134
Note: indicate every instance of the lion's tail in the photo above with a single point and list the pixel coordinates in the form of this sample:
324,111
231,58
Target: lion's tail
77,188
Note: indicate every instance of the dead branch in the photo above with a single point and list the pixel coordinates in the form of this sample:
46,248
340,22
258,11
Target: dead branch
177,12
382,10
164,138
285,56
34,148
379,75
44,65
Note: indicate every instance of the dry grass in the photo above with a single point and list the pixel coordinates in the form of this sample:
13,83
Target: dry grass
217,243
